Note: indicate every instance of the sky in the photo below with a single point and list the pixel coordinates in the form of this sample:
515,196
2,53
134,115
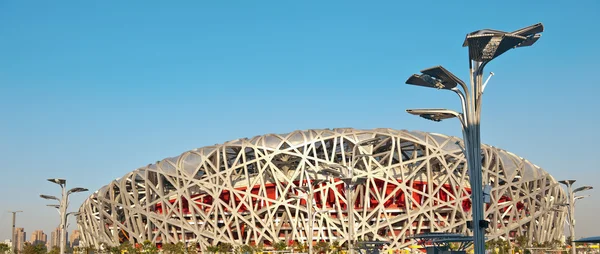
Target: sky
91,90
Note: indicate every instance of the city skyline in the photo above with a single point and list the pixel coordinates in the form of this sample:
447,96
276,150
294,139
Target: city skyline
39,236
127,85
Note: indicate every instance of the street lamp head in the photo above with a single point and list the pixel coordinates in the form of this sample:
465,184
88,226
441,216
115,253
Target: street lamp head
583,188
49,197
77,189
58,181
487,44
55,206
369,141
434,114
330,172
567,182
435,77
73,213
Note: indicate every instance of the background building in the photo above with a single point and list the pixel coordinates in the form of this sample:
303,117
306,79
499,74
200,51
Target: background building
242,192
55,239
20,237
38,237
74,239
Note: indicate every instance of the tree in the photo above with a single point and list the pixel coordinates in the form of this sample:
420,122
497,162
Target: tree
259,248
322,247
522,242
149,247
174,248
212,249
37,248
192,248
4,248
114,250
54,250
491,245
245,249
336,248
225,247
281,245
127,247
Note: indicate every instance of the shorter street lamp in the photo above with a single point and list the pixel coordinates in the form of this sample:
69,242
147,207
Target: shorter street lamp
62,207
308,197
347,176
571,207
13,238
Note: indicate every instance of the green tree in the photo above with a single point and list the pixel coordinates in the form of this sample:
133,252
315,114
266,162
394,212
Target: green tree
259,248
4,248
281,245
336,248
522,242
37,248
212,249
192,248
127,247
114,250
54,250
149,247
322,247
245,249
225,247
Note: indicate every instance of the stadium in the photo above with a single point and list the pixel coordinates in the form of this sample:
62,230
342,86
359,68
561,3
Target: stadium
260,190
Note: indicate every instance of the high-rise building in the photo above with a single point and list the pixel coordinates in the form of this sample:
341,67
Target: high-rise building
38,237
20,237
55,239
74,239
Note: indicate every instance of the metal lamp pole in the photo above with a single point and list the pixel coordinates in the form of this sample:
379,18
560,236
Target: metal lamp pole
309,191
62,207
571,208
347,176
484,46
13,238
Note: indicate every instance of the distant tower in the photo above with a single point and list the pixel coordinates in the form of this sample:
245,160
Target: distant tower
54,239
74,239
38,237
20,237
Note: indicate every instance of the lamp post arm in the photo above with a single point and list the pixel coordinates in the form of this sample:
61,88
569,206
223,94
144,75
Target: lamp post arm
486,82
463,103
478,88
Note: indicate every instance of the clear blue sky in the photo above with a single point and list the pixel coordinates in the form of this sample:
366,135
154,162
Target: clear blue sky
90,90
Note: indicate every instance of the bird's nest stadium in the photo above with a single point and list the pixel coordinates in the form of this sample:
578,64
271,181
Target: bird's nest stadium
259,190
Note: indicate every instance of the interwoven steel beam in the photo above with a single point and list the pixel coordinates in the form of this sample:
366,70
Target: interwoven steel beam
240,192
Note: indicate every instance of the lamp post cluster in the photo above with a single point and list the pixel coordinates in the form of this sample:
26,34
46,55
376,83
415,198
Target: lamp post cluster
571,208
62,207
484,46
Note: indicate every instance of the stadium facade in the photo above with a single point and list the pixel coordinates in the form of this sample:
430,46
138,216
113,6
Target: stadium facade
242,192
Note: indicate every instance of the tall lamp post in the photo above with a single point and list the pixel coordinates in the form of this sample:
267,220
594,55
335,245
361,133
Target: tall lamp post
484,46
346,174
571,208
13,238
62,207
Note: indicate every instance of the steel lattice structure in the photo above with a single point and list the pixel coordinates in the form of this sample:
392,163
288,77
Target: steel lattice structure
239,192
